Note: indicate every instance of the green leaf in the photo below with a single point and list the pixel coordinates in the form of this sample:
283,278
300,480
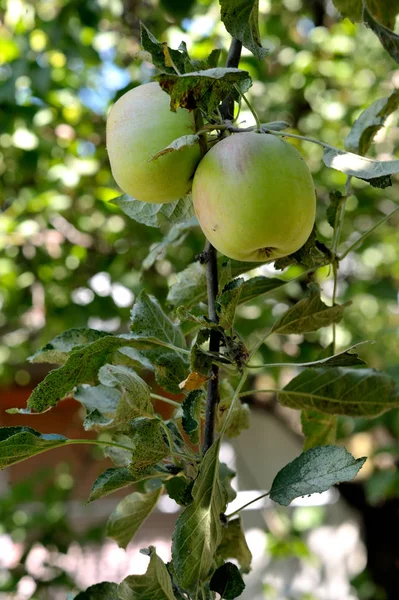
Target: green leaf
202,320
381,182
227,301
154,214
344,359
175,236
156,584
237,267
334,208
226,475
149,322
309,314
160,53
384,10
131,357
341,391
240,17
239,418
57,351
82,366
149,445
314,471
318,428
200,65
179,489
207,593
100,591
170,371
179,444
179,594
130,514
191,283
229,269
110,481
191,419
185,141
352,9
312,255
19,443
258,286
190,288
96,421
381,486
389,40
199,361
234,545
120,456
275,125
109,407
103,398
203,89
227,581
136,397
224,273
236,351
370,121
100,403
198,530
359,166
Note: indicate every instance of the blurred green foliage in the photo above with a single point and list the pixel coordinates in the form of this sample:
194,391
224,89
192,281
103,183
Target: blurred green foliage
42,533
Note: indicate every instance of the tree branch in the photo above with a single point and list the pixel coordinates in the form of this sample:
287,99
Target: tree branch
233,59
214,344
209,255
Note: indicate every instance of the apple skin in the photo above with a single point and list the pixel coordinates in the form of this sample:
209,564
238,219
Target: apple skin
139,125
254,197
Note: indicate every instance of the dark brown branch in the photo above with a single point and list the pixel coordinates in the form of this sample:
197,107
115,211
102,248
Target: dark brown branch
233,59
214,344
209,256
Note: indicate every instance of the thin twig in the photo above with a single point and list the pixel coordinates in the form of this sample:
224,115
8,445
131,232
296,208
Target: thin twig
251,108
367,233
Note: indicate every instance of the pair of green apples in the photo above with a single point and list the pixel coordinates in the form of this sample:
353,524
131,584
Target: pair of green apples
253,193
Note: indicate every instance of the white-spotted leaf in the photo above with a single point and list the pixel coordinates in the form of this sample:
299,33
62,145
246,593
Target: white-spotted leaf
314,471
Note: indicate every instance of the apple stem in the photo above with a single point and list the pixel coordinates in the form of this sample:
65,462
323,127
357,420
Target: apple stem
251,108
209,256
199,124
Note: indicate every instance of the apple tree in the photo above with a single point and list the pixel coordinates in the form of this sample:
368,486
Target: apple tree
253,196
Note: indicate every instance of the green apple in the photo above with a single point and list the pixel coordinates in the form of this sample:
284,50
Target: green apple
254,197
139,125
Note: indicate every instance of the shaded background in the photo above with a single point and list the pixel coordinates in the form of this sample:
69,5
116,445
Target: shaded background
70,258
